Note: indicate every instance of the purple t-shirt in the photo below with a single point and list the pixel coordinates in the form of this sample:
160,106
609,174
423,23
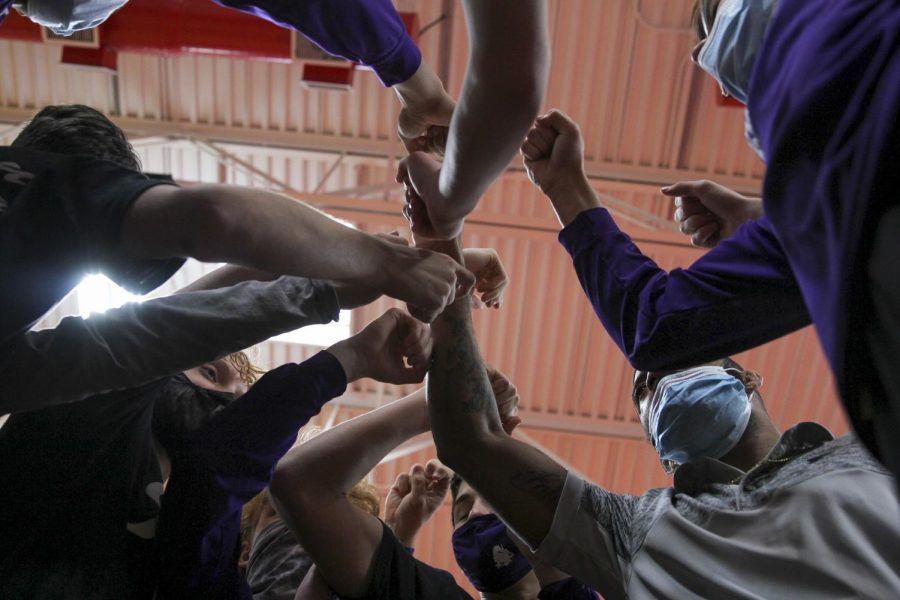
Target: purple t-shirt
369,32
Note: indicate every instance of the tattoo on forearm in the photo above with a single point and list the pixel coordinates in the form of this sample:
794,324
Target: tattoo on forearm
457,363
539,484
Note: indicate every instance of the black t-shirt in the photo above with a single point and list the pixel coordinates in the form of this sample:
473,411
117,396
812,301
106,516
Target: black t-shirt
60,218
400,576
79,499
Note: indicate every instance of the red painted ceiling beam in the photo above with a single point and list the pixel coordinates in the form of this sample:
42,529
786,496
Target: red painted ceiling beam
172,27
18,28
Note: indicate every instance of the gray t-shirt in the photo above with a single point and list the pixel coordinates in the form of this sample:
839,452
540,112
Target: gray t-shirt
820,518
277,564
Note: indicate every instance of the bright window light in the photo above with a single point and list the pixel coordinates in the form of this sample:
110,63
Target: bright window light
97,294
319,335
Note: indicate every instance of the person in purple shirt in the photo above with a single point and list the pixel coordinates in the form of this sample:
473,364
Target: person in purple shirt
227,460
825,250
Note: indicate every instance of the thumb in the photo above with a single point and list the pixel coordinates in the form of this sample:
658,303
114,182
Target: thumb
465,280
683,188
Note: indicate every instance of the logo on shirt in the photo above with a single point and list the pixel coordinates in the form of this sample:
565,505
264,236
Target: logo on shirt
12,173
147,529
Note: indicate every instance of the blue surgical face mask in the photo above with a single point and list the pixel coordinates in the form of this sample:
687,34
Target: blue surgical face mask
702,411
733,43
487,555
65,17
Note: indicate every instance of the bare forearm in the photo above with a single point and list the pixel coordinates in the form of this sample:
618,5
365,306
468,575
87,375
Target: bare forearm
219,223
311,485
335,461
505,81
571,198
460,399
519,481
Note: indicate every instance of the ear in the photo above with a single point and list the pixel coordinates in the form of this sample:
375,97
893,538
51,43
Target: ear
244,558
752,381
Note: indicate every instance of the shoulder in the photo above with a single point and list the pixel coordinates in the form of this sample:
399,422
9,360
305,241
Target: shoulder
397,574
846,451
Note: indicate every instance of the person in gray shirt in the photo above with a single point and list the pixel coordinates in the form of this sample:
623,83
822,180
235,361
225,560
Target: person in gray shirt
751,513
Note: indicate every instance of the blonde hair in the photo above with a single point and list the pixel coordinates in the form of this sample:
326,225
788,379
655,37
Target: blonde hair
247,371
251,513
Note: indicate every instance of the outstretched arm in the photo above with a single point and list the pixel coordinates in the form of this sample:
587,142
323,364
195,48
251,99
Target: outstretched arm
311,484
531,492
739,295
503,90
521,483
140,342
270,232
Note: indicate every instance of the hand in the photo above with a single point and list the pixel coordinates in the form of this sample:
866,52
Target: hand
416,214
413,498
427,281
490,276
507,399
394,348
424,120
709,212
352,295
421,176
554,153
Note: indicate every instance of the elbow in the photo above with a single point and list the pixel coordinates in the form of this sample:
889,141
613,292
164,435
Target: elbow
280,483
285,489
464,454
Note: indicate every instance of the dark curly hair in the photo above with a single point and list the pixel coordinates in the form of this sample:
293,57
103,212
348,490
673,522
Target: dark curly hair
78,129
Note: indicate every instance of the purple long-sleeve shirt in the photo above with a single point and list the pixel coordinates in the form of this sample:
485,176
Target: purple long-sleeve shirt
737,296
364,31
230,460
823,102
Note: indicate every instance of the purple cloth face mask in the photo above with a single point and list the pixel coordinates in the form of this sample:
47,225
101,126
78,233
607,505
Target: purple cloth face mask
487,555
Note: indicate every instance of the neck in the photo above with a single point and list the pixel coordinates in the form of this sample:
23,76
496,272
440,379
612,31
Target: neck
756,443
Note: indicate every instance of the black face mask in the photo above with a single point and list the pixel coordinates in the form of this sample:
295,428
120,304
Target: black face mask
180,407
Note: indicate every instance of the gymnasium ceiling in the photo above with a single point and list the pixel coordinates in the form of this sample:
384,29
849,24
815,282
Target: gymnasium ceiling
650,118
